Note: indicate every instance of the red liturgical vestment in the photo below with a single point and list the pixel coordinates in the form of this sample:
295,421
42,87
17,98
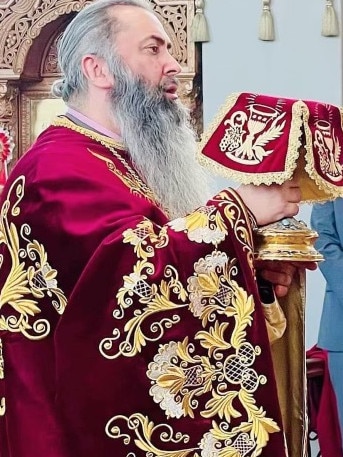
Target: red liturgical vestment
125,333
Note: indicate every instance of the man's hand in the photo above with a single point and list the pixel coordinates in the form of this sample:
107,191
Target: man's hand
280,273
271,203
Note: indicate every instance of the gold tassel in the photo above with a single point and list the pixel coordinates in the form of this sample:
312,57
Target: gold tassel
330,25
199,28
266,29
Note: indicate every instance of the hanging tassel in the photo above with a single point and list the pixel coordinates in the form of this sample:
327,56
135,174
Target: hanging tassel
330,25
199,27
266,29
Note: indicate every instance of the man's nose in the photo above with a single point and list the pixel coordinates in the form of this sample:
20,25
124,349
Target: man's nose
172,66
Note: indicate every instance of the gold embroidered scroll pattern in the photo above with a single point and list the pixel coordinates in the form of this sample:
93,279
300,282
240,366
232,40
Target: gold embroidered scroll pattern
131,180
238,218
145,432
30,273
155,298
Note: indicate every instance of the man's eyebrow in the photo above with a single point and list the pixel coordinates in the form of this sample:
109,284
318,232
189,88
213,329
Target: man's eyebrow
160,40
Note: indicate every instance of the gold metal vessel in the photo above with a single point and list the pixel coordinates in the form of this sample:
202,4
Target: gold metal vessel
288,239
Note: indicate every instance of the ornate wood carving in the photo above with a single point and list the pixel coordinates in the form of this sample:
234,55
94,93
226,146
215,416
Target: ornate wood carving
6,98
50,61
21,23
23,20
29,33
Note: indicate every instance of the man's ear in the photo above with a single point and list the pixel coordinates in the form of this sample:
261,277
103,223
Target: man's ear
97,72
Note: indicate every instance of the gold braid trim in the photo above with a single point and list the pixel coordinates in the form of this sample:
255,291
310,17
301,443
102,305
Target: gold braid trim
63,121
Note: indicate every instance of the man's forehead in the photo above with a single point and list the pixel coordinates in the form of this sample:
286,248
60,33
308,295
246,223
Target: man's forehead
132,16
142,25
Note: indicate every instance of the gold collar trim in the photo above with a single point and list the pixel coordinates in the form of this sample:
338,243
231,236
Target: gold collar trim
63,121
132,179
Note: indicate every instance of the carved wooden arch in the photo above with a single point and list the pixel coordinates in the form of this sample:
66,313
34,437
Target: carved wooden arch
28,33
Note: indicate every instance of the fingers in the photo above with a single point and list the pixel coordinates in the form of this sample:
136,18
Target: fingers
281,273
283,266
293,182
282,278
291,209
280,291
271,203
306,265
293,195
277,266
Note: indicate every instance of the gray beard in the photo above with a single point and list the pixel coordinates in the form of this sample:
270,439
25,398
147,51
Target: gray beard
161,144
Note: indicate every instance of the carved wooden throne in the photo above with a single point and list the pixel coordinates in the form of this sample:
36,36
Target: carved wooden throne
29,32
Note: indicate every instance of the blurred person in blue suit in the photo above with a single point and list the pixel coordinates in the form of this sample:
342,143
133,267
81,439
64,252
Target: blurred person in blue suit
327,220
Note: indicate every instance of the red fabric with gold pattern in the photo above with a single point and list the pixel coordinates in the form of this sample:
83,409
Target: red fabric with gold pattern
125,333
262,139
324,133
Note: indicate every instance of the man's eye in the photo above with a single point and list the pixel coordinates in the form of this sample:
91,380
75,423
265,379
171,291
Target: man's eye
154,49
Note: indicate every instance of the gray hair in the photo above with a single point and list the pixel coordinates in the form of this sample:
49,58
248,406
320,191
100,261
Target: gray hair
92,31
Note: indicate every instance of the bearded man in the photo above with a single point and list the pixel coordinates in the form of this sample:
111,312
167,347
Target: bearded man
131,320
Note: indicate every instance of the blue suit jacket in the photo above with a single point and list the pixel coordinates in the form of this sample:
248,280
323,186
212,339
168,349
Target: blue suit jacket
327,220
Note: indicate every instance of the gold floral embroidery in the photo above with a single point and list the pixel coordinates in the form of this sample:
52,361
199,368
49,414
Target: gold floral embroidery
203,225
157,299
212,280
207,225
181,373
142,235
179,378
175,387
30,273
